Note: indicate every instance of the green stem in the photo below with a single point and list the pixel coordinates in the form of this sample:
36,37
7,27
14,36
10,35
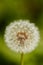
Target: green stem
22,58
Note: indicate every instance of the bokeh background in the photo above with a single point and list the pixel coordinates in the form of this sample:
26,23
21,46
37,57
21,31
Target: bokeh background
11,10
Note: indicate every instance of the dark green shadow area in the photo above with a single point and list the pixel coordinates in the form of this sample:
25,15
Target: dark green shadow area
4,61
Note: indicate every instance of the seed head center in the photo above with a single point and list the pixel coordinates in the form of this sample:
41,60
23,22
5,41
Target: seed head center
22,36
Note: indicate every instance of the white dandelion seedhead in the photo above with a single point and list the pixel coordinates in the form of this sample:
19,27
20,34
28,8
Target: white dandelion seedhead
21,36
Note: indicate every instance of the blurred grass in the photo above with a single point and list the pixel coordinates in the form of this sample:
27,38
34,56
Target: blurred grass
22,9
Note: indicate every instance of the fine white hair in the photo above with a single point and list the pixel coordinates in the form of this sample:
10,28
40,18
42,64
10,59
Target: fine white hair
31,31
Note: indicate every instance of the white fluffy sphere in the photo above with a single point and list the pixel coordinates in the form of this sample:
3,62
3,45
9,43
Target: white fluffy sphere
22,36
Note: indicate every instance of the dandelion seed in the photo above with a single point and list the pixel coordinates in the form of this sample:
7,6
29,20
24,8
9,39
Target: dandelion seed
22,36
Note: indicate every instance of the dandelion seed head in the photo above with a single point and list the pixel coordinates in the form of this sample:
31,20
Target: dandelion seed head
22,36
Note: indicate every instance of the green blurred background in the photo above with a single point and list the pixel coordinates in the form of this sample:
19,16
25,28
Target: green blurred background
11,10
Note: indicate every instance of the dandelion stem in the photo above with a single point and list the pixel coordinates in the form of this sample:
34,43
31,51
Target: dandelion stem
22,58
